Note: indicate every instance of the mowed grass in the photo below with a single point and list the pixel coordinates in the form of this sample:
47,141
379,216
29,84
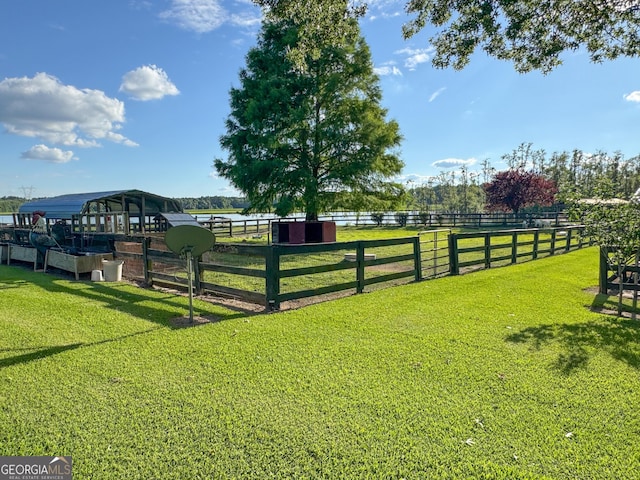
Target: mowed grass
500,374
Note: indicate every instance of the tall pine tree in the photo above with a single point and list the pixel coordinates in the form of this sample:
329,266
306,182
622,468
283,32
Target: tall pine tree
309,136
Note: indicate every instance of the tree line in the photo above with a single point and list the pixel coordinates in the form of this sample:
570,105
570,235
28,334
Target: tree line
575,174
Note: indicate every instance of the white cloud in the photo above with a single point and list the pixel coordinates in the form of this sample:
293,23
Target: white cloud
53,155
453,162
200,16
43,107
246,19
436,94
415,56
388,69
148,82
633,96
415,179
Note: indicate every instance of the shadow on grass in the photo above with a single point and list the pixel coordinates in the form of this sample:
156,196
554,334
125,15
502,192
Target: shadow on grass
37,353
608,304
619,337
148,305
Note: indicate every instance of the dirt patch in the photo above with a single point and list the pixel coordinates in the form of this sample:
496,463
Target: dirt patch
185,321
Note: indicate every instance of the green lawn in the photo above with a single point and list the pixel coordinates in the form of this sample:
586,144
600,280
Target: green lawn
500,374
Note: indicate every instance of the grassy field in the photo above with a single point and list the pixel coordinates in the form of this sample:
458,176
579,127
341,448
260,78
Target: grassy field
500,374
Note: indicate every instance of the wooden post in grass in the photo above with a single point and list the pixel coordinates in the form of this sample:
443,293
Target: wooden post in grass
147,264
417,259
552,247
536,239
272,266
360,267
568,247
514,247
197,275
487,250
634,315
453,254
604,270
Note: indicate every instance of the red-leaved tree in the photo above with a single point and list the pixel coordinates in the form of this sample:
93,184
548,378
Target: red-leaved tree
516,188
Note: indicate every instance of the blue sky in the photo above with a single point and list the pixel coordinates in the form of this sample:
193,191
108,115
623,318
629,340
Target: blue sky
119,94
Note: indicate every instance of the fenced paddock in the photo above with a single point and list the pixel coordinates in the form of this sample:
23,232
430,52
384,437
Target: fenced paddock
271,275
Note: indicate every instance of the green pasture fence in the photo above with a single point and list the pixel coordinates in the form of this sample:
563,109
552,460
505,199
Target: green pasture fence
358,266
225,227
480,250
270,275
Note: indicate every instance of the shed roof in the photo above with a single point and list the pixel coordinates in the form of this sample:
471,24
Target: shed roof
176,219
64,206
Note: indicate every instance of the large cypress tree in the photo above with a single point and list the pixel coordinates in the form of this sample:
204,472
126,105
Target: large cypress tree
309,136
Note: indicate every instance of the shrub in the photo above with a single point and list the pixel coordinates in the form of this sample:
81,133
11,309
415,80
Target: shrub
377,218
401,218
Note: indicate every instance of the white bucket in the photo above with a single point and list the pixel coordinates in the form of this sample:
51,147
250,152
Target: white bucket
112,270
96,276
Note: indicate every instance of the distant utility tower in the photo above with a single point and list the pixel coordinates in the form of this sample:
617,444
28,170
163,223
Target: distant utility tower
27,192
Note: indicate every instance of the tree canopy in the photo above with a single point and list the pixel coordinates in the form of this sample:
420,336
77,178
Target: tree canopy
516,188
531,33
315,138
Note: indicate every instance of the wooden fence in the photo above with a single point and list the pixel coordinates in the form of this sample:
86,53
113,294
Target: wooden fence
259,227
353,265
270,275
479,250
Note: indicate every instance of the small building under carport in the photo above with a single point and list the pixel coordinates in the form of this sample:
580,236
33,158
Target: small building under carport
165,221
116,212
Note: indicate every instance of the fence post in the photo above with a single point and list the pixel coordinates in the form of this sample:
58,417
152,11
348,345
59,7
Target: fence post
453,254
272,266
417,262
568,246
487,250
514,247
536,238
435,254
604,270
360,267
197,275
552,247
147,265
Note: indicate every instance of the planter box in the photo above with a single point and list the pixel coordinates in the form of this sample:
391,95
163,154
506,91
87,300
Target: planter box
303,232
76,264
23,254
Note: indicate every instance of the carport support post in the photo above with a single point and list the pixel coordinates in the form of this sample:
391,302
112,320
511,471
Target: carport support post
272,266
146,262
